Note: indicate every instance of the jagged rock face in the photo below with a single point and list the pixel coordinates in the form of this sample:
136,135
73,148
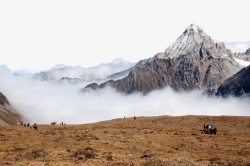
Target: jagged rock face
194,61
7,115
237,85
183,73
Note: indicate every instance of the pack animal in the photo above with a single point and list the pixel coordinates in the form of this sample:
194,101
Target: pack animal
210,129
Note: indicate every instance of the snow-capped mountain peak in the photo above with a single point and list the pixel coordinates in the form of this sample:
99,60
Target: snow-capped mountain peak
191,41
192,36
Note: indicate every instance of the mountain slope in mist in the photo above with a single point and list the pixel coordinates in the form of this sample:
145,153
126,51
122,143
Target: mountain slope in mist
193,61
7,115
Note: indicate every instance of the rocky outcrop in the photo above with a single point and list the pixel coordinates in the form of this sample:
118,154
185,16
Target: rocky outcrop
194,61
7,115
237,85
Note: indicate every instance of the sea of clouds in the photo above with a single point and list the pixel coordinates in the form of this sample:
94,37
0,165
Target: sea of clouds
44,102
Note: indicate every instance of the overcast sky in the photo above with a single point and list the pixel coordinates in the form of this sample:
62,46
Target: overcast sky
41,34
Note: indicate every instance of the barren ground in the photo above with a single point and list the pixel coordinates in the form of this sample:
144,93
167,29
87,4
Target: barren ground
145,141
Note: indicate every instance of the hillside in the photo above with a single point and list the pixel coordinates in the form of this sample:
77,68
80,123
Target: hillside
147,141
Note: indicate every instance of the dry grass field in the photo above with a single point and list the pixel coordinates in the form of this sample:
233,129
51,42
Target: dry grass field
147,141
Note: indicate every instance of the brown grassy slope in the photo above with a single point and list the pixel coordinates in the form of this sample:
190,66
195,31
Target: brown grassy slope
145,141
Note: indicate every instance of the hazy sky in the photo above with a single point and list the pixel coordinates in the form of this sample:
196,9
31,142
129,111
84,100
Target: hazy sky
41,34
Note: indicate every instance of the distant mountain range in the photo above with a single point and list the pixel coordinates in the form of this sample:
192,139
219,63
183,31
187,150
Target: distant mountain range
77,74
193,61
238,47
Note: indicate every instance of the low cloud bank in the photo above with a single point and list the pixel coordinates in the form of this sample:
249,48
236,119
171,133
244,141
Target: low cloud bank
44,102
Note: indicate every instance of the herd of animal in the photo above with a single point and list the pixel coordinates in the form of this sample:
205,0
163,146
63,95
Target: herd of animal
35,126
55,123
207,128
